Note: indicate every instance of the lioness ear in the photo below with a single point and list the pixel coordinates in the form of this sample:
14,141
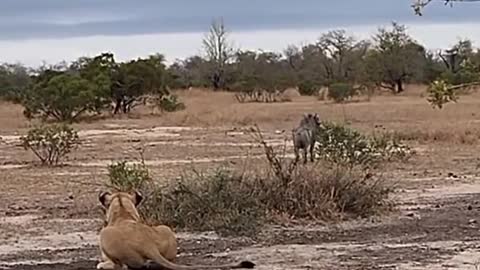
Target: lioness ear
103,198
137,197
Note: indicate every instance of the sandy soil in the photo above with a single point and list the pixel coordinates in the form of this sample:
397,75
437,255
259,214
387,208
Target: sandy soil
49,217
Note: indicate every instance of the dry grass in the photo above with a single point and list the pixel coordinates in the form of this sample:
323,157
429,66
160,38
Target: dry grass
408,114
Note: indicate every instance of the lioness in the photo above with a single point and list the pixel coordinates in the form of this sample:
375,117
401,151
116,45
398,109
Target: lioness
127,242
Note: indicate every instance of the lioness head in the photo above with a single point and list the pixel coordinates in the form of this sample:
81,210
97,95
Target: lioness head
120,205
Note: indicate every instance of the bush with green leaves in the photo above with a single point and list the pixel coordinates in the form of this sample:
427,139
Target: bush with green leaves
307,88
233,202
340,144
65,97
50,143
220,201
440,93
196,201
170,103
128,177
467,72
341,92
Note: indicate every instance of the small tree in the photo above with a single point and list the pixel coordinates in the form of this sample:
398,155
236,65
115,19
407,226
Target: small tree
136,78
219,52
65,96
50,143
395,59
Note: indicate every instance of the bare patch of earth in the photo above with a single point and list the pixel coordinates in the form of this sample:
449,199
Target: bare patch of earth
442,233
436,225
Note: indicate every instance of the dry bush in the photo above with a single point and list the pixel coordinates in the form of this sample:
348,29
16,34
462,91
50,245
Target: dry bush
234,203
318,192
240,202
196,201
219,201
261,96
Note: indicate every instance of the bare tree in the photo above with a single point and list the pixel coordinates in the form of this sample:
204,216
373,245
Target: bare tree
219,51
293,55
418,5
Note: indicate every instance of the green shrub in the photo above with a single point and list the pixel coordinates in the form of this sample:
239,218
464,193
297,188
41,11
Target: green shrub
307,88
440,93
341,92
125,177
50,143
219,201
65,97
170,103
342,145
234,203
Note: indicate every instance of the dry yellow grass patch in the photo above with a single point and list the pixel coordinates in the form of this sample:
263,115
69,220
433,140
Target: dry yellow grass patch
408,114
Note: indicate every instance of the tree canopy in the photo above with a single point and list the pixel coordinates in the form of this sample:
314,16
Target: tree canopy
388,60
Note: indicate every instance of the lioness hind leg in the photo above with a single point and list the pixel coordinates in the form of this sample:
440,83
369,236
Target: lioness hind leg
108,265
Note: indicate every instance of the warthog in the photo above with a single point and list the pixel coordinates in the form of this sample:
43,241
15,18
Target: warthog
304,136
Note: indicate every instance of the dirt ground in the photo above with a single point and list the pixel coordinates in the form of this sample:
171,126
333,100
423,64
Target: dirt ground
49,217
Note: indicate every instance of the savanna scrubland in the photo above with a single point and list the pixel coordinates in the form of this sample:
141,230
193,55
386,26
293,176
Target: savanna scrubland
208,141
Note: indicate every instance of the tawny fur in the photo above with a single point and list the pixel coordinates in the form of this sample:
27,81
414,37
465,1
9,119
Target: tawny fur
127,242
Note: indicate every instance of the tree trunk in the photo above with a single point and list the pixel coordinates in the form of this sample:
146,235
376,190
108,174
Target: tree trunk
399,83
118,105
216,81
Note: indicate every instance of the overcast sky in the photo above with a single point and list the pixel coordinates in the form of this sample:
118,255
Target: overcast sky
52,30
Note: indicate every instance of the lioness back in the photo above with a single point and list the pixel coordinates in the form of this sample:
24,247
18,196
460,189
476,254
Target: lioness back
132,242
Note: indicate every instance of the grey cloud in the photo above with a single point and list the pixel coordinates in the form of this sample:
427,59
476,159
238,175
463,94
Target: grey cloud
35,19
